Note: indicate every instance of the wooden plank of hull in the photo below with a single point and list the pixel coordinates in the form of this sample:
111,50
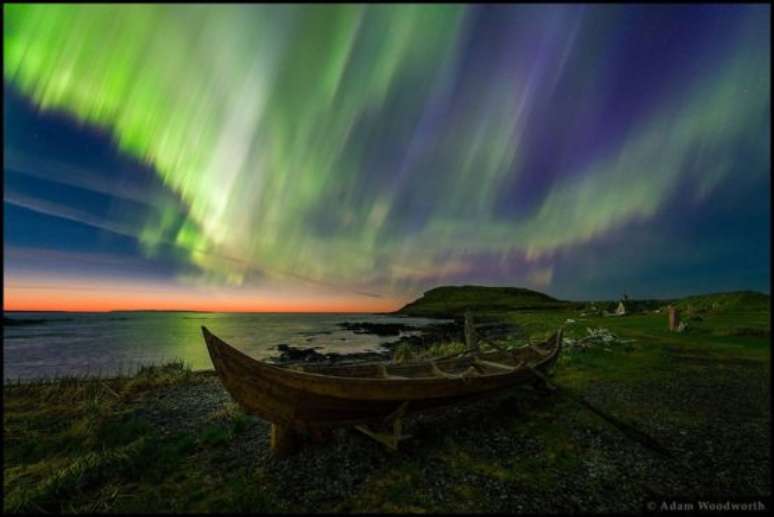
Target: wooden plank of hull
297,398
327,393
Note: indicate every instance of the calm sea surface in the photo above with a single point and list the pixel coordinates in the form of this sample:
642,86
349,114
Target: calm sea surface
108,343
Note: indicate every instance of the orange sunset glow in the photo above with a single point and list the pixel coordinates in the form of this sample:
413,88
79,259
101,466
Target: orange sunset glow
111,296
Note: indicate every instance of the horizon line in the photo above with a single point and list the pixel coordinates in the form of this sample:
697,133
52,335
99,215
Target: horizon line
200,311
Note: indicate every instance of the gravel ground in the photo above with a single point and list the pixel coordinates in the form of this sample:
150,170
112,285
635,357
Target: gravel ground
715,420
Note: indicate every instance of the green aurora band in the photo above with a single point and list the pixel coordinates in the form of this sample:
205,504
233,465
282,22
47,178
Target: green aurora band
261,118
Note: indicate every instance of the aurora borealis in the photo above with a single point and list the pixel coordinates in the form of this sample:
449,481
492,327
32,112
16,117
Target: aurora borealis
349,157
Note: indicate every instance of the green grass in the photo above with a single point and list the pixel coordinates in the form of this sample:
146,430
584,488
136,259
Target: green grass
73,445
76,445
64,436
405,352
721,302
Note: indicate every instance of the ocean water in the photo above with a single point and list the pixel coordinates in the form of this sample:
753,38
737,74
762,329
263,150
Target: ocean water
109,343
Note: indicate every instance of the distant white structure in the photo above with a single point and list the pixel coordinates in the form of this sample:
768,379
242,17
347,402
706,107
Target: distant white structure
620,310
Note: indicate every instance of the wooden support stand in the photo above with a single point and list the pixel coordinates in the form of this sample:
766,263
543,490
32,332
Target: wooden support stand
284,440
288,439
389,439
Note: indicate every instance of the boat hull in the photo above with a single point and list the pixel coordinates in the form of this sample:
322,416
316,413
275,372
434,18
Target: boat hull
337,396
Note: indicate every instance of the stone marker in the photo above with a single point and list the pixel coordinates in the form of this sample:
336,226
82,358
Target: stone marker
674,318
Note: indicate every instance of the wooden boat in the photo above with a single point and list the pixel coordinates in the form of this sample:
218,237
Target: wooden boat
310,400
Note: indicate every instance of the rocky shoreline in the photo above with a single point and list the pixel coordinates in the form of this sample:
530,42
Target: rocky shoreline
419,337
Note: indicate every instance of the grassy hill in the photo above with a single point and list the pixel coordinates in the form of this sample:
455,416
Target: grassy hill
731,301
455,300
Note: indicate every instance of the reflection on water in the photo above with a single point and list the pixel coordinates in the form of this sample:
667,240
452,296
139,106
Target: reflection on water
106,343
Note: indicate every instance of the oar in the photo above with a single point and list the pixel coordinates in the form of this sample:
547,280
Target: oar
626,429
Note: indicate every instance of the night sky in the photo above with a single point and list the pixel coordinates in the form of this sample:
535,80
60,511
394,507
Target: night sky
348,158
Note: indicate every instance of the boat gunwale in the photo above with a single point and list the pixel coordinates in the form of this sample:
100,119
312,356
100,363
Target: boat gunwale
289,372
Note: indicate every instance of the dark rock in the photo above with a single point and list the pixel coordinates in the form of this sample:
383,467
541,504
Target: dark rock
430,334
290,354
11,322
379,329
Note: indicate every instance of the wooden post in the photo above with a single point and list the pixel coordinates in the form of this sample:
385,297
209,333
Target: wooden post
284,440
674,318
471,343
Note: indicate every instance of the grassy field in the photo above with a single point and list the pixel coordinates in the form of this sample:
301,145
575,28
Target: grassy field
168,439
